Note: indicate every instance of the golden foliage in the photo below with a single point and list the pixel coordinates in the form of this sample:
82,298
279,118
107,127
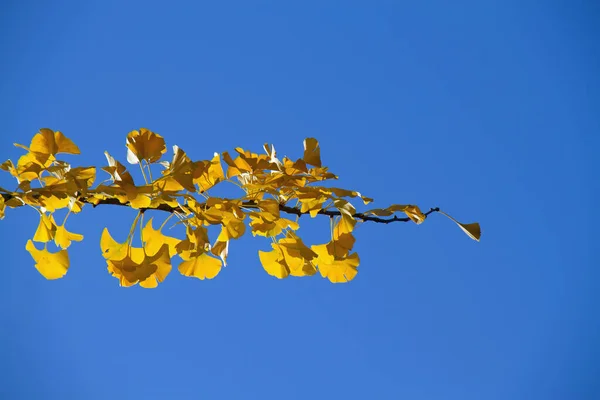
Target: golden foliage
273,189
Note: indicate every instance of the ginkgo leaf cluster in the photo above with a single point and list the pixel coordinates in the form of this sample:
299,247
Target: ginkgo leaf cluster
274,193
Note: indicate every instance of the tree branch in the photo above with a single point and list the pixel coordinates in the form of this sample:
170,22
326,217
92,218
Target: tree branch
249,204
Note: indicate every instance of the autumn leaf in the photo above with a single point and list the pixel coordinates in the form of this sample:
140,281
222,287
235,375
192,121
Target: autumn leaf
413,212
221,250
273,262
117,171
132,264
50,265
111,249
137,267
235,167
48,142
162,260
347,222
312,152
201,266
263,224
178,173
336,269
290,256
55,201
154,240
63,238
473,230
144,145
46,229
297,256
208,173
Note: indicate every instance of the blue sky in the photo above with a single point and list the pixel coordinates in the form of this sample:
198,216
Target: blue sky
488,110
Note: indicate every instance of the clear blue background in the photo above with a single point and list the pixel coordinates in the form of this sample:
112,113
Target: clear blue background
486,109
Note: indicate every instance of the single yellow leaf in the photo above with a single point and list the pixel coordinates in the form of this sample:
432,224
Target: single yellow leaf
473,230
178,173
117,171
46,229
195,243
140,200
312,152
144,145
111,249
221,250
335,263
297,256
209,173
31,165
237,166
202,267
347,222
270,206
154,240
48,142
55,201
162,260
341,244
271,262
63,238
50,265
262,224
340,271
413,212
139,267
336,269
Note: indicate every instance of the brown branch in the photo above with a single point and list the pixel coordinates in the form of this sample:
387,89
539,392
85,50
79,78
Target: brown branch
248,204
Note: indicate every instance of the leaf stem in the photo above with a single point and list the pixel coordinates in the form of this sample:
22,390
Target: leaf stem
149,171
143,173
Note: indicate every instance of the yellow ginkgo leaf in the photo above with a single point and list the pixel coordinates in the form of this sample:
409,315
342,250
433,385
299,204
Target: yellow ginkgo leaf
55,201
2,207
144,145
273,262
201,266
297,256
46,229
208,173
473,230
262,224
290,256
234,228
162,260
312,152
140,200
195,243
221,250
118,171
347,222
311,203
111,249
154,240
235,167
336,269
340,271
178,173
138,267
48,142
413,212
341,244
63,237
50,265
